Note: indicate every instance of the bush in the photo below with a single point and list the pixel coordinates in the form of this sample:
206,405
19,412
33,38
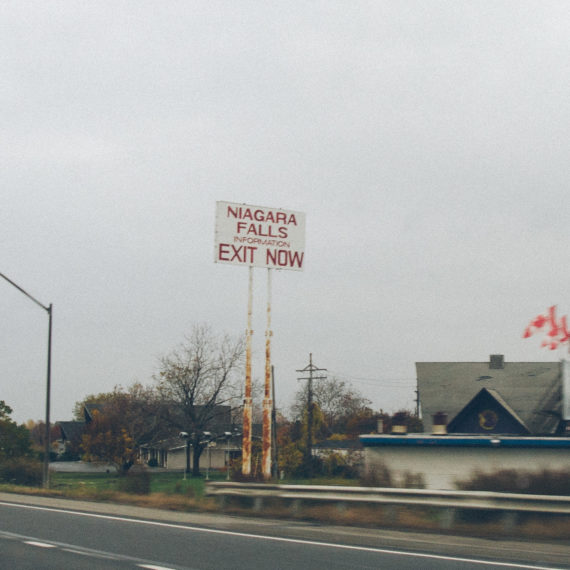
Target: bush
68,455
337,465
545,482
135,483
153,462
413,480
22,471
377,476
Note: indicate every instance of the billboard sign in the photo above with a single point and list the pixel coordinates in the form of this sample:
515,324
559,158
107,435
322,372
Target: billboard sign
260,237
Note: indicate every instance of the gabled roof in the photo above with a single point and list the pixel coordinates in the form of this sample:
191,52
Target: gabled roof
88,410
220,416
531,390
502,418
71,430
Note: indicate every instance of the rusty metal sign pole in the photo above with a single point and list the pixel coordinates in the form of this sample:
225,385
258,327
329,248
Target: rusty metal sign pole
267,402
247,402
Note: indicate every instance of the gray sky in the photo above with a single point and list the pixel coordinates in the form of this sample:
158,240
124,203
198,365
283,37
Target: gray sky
427,143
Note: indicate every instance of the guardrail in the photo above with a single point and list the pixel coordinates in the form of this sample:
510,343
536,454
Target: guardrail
506,505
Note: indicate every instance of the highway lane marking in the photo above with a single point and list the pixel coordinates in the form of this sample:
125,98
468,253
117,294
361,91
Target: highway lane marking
79,550
39,544
424,555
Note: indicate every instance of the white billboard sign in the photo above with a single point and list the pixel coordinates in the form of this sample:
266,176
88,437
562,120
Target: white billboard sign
260,237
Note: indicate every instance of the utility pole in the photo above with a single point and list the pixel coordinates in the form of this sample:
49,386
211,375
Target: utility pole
417,391
311,369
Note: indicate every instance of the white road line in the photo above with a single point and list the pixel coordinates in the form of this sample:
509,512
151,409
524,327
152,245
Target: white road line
39,544
423,555
72,549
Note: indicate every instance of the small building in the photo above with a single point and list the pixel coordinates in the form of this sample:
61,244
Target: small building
494,397
441,461
171,453
69,441
348,448
479,417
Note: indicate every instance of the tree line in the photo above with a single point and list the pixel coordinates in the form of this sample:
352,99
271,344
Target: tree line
194,382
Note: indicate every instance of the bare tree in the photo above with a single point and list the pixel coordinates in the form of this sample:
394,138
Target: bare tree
337,400
198,382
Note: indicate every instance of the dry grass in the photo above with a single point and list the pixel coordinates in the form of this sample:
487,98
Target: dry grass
366,515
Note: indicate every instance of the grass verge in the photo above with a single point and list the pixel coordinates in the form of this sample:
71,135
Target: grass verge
170,491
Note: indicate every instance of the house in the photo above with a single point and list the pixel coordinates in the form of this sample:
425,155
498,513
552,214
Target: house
494,397
69,442
480,416
348,448
171,452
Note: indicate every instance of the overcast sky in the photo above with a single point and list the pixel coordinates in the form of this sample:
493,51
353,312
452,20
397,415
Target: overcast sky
427,143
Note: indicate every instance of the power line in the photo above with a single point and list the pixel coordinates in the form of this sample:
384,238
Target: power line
368,380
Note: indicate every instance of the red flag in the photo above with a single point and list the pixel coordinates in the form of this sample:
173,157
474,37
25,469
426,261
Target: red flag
553,332
536,323
556,332
527,332
565,335
539,322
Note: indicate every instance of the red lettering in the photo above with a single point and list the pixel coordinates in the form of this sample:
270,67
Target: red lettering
284,258
296,258
241,254
223,251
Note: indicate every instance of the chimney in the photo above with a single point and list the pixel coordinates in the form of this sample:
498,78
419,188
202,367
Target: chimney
399,423
496,361
439,423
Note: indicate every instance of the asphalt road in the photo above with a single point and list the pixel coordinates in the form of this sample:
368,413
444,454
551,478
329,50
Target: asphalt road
47,533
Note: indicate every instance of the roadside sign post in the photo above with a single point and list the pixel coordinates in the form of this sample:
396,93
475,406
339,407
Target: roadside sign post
258,236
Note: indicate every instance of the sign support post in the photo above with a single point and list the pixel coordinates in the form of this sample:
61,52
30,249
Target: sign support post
247,402
258,236
267,402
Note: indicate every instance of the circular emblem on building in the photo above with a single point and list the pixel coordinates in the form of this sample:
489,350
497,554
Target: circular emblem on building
488,419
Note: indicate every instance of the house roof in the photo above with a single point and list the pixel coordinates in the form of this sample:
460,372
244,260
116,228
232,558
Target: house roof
220,416
88,410
512,425
500,400
71,430
531,390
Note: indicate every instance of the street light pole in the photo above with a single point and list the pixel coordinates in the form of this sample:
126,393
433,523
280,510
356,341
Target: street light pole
48,381
48,402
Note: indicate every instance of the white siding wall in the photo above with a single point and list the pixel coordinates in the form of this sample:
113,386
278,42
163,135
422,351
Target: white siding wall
441,467
177,458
